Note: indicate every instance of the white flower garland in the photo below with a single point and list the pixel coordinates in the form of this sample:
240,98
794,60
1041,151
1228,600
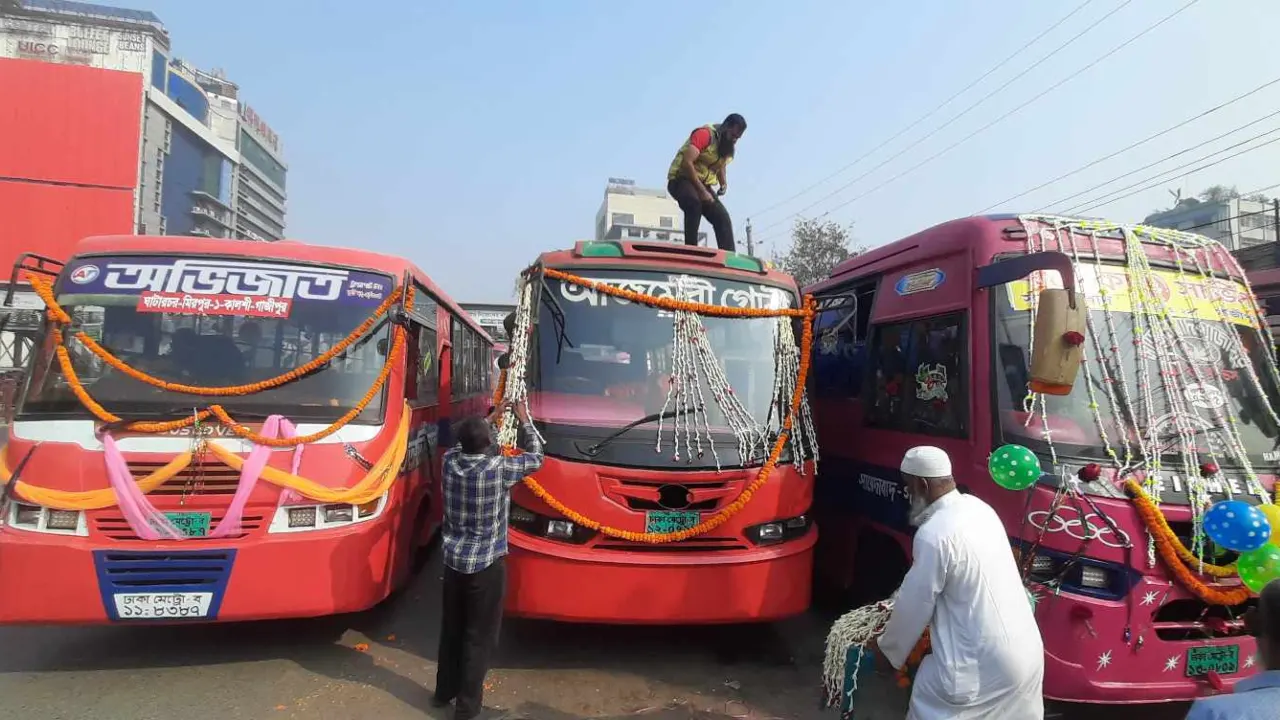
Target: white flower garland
1157,336
516,390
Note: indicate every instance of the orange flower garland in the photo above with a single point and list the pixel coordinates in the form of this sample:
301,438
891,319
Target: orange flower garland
1156,523
1162,534
59,316
718,519
923,647
45,290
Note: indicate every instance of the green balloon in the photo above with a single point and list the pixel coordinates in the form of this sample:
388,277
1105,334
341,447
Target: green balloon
1259,567
1014,467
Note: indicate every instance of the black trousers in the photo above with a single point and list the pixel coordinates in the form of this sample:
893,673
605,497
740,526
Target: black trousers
686,194
470,622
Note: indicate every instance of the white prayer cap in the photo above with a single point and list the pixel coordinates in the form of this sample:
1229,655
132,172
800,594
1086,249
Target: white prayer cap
926,461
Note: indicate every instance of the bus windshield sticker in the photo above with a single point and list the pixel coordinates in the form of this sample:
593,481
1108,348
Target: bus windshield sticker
931,382
224,287
919,282
1184,296
696,289
240,305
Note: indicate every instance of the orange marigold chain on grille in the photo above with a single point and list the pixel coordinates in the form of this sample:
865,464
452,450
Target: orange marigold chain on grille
807,312
60,317
45,290
1168,546
1156,522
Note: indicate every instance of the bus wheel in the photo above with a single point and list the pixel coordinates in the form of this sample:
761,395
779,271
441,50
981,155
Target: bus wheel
880,566
420,552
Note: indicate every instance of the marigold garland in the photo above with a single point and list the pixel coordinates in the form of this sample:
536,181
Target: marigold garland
59,316
807,312
1155,522
44,289
373,485
1162,534
923,647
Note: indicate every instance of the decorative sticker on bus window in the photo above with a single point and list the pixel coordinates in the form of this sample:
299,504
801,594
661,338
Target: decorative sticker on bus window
209,286
918,282
1184,296
931,382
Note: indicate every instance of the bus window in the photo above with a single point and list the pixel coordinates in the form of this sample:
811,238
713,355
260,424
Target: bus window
428,367
918,377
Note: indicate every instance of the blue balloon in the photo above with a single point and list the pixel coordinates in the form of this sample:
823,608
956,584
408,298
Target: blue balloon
1237,526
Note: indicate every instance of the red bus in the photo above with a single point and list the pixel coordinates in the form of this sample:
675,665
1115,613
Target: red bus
938,352
126,500
620,452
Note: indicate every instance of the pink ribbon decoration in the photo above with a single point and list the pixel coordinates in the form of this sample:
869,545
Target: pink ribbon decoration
275,426
150,524
145,521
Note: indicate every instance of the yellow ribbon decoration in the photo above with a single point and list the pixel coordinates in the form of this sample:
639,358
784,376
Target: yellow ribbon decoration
372,486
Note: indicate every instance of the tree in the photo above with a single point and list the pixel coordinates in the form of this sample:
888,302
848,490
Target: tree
1219,193
817,247
1258,197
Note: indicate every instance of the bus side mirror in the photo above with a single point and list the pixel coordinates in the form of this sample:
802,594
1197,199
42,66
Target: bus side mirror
504,361
1059,341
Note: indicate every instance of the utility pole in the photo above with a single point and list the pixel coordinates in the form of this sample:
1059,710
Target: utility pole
1275,219
751,246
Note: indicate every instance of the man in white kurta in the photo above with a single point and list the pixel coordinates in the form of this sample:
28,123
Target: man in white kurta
987,657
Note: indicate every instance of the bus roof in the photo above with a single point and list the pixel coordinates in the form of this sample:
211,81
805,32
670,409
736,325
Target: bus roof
281,250
665,256
945,238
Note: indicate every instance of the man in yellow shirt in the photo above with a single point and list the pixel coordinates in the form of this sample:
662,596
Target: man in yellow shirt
697,169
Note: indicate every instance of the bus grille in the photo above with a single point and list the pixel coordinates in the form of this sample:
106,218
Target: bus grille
140,571
692,545
1192,619
198,479
117,528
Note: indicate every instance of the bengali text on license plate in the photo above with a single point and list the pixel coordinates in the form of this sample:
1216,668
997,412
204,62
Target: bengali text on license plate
1222,659
191,524
666,521
162,606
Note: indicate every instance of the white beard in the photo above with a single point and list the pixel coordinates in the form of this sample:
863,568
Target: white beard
921,509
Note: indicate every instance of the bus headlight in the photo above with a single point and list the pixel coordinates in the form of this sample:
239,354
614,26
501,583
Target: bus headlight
778,531
37,518
532,523
301,518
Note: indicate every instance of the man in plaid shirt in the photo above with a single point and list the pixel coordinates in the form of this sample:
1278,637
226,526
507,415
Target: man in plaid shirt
477,487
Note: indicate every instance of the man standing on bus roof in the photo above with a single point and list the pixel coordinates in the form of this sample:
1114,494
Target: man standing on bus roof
1255,698
988,658
477,497
700,166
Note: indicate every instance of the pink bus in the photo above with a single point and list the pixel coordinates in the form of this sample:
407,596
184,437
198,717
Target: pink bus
928,340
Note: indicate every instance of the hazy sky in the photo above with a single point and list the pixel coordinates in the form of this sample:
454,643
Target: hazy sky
472,135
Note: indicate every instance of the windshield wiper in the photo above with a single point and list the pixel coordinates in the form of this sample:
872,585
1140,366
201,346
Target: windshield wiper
595,449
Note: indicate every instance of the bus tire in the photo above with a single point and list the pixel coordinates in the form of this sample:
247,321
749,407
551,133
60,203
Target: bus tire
420,550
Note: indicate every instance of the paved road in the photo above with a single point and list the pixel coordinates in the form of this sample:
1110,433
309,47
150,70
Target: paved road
381,665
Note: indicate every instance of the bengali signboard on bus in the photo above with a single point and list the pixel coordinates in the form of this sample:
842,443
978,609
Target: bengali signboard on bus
1184,295
207,286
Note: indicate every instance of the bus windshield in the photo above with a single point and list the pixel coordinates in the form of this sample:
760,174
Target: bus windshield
602,362
212,322
1218,375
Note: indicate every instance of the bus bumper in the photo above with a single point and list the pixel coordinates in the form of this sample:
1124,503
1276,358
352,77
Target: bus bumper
58,580
1083,668
550,581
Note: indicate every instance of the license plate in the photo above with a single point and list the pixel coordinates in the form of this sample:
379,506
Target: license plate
162,606
668,521
1223,659
191,524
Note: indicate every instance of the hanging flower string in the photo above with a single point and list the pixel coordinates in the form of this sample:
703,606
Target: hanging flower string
512,384
1160,338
